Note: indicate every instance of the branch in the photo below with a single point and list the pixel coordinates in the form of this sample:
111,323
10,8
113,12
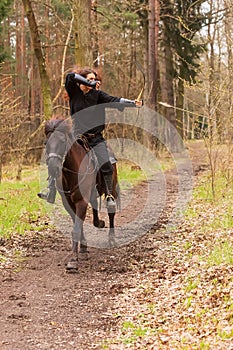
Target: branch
64,57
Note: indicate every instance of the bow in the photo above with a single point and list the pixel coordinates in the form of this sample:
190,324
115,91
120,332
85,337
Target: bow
139,66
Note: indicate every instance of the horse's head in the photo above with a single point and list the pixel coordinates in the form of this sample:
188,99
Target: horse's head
56,131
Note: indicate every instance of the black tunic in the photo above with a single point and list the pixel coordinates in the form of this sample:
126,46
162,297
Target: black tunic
87,115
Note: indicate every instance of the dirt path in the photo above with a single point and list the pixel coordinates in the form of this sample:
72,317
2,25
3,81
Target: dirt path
43,307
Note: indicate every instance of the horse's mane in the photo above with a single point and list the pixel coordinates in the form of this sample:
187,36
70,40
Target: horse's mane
63,125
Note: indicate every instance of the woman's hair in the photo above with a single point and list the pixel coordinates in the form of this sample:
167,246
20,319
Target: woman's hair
85,71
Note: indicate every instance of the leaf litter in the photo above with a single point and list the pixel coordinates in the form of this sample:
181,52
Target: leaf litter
164,291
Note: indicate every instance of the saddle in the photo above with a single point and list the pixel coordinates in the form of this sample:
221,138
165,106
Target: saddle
83,141
100,183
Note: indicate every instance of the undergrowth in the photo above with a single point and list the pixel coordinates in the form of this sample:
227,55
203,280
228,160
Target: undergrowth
20,207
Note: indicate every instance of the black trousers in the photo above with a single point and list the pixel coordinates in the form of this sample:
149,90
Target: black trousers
100,148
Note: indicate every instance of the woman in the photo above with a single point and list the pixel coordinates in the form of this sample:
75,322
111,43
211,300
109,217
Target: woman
84,94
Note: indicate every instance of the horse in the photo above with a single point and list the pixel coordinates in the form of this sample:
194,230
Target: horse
73,165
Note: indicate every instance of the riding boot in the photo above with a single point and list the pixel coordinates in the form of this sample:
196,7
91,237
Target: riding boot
110,200
51,194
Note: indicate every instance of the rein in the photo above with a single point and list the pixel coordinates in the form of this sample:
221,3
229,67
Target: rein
91,159
69,140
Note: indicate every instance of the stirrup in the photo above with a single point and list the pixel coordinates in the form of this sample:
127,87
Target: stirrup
49,197
42,195
110,201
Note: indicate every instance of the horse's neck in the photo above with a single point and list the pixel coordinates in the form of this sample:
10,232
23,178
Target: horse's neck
75,156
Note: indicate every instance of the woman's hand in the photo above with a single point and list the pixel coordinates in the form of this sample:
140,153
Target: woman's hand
138,103
98,84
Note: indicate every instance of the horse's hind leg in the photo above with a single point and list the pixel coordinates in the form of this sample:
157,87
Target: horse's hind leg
94,204
97,222
111,237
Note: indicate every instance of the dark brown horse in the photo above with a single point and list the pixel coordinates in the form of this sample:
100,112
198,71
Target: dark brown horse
75,169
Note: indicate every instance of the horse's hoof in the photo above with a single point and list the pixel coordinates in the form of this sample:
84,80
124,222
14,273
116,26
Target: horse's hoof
99,224
84,256
83,250
72,266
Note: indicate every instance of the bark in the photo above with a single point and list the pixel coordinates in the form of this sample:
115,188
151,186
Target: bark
82,33
152,83
228,33
45,83
180,107
94,32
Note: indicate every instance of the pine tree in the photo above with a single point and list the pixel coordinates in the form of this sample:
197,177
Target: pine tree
182,21
5,6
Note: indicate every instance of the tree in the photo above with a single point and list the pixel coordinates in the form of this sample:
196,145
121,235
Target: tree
82,32
5,6
153,20
182,21
45,82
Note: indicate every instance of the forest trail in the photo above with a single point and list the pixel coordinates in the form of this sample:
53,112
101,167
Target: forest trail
45,308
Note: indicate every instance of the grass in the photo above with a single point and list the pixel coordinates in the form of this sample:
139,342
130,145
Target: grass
214,215
222,187
220,213
225,335
221,254
191,285
131,175
19,205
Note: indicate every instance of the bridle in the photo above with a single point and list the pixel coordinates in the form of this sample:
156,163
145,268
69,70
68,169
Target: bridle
89,170
69,140
57,155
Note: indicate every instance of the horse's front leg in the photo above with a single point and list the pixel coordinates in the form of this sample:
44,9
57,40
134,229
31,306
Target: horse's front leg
69,206
72,264
83,243
78,235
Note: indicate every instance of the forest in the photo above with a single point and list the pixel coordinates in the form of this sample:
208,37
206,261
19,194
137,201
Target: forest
166,281
176,55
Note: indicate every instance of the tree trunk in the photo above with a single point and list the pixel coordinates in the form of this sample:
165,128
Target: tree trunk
152,64
45,83
94,34
180,108
82,33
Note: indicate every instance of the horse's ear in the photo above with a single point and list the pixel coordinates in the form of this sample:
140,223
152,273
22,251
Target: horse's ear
61,124
51,125
47,128
68,123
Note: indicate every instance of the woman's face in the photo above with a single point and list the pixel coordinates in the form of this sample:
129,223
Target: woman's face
85,89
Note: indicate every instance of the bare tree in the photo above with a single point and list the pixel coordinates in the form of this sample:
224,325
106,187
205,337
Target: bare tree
82,32
45,81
